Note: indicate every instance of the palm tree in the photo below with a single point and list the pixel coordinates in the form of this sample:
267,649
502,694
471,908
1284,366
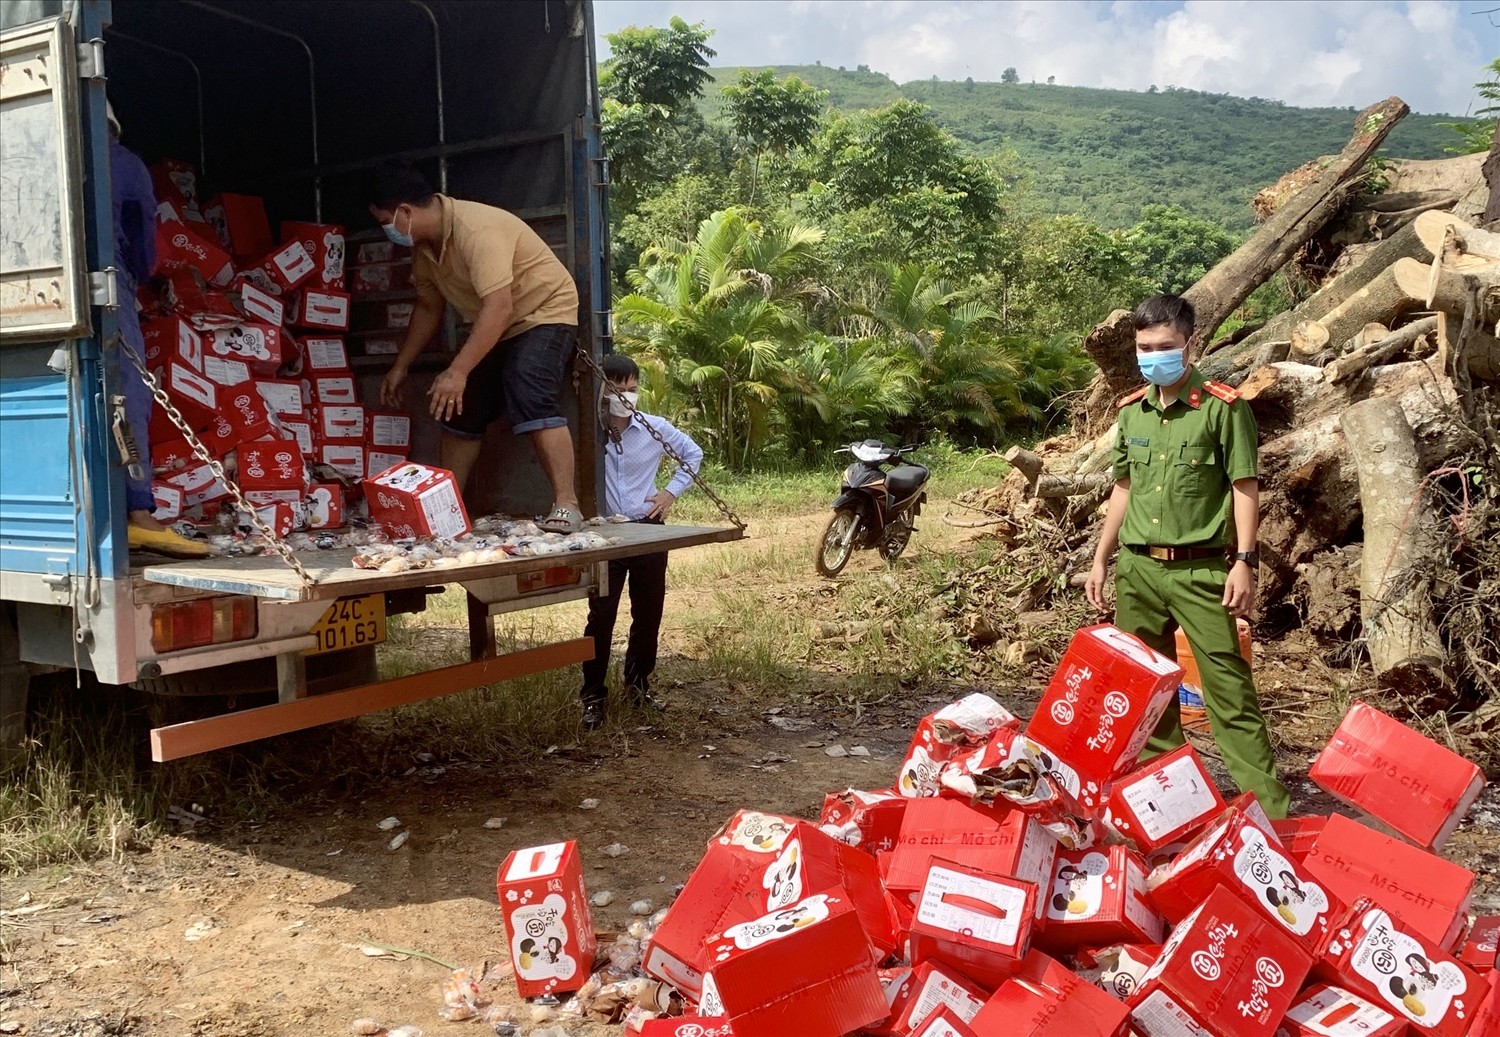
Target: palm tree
845,389
718,316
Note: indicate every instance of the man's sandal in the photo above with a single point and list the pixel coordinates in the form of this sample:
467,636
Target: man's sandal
564,518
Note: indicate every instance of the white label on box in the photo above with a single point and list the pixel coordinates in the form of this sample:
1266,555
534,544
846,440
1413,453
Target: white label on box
379,461
445,514
280,397
1159,1016
343,422
326,311
168,502
262,304
189,345
225,372
935,908
335,390
1365,1018
398,314
302,432
1038,854
1174,796
375,252
192,385
293,497
293,262
390,430
940,991
1135,650
535,862
382,345
939,1028
326,354
347,459
1137,910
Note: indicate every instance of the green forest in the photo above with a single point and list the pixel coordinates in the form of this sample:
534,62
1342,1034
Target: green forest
806,257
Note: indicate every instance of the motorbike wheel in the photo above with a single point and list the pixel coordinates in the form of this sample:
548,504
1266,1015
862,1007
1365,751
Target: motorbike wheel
837,542
896,540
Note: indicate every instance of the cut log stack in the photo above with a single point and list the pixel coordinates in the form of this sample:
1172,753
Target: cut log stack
1378,387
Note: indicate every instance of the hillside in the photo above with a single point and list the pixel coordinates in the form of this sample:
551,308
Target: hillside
1107,153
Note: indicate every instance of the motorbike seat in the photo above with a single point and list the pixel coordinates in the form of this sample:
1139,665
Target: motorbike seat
905,480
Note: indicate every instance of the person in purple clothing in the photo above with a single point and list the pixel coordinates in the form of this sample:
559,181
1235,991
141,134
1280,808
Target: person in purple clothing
134,203
632,459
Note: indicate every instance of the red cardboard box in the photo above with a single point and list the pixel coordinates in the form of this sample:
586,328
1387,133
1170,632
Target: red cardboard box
1005,842
198,483
390,429
973,920
1227,970
283,397
226,373
272,465
323,309
1010,768
1487,1019
377,461
374,278
945,734
180,247
1329,1011
325,506
412,500
943,1022
685,1027
546,913
379,251
1480,946
915,993
301,430
172,338
325,355
1243,858
335,389
248,412
281,516
185,292
176,182
169,453
288,267
346,458
1046,999
1370,953
261,305
870,821
1428,895
382,345
1298,834
1379,765
326,244
1100,708
168,500
723,883
811,859
341,423
260,346
239,221
1166,800
1098,897
1118,970
195,397
802,969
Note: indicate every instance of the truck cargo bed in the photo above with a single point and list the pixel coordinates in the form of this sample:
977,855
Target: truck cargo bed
334,575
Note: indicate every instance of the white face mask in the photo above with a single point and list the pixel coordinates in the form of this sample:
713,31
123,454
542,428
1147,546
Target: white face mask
617,408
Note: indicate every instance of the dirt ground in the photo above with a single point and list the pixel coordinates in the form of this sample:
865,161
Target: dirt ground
281,909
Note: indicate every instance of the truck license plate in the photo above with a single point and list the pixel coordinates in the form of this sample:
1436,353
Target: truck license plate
350,623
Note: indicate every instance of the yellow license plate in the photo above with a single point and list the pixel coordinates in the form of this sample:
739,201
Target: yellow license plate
350,623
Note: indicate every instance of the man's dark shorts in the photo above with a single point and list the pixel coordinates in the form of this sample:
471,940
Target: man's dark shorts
520,379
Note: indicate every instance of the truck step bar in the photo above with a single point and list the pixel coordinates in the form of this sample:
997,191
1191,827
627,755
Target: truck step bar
219,732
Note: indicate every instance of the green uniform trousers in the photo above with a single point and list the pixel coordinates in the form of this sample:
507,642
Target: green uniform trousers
1152,599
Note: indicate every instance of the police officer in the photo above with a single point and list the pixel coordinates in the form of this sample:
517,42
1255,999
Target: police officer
1184,511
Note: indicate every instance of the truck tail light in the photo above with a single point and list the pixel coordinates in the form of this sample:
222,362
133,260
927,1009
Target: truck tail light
205,621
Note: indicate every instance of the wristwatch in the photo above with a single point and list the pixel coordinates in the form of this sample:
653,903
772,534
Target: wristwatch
1250,558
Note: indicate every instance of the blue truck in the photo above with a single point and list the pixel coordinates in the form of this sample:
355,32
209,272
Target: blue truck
295,103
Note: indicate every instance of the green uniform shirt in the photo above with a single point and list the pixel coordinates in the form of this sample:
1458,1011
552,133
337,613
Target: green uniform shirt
1181,462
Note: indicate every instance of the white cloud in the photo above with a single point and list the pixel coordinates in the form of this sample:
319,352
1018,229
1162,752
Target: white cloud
1430,52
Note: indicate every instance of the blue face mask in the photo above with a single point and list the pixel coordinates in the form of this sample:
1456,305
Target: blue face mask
1163,368
404,240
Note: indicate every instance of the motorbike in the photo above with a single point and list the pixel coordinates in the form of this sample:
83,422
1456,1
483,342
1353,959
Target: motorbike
877,506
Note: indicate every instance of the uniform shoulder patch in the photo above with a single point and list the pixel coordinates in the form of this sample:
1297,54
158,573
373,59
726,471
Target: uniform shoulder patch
1132,397
1227,393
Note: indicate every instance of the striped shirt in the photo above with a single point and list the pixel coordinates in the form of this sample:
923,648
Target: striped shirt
630,468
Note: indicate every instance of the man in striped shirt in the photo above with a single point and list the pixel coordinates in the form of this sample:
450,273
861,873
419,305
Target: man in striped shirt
632,460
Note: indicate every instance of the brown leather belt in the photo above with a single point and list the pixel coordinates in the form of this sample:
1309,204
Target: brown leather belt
1178,554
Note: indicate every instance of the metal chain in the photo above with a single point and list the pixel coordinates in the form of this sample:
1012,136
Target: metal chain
682,465
201,453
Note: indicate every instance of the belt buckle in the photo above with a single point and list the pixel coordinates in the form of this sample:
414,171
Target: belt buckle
1160,554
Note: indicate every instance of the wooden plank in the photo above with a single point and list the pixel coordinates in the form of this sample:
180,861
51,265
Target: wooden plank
201,736
334,575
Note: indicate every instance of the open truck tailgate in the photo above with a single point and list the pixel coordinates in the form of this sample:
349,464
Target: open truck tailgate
334,574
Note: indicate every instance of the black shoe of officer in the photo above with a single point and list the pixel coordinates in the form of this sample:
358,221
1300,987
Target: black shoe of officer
593,716
643,700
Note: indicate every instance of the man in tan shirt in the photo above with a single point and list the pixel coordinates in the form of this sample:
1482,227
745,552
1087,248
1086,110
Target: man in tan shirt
522,304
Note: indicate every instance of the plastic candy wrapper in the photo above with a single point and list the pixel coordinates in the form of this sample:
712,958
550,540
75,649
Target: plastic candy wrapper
474,548
945,734
624,954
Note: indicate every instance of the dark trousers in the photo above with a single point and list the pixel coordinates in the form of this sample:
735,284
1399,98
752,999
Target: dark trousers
647,576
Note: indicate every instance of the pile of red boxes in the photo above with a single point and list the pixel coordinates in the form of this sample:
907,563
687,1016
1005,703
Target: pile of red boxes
247,337
1035,880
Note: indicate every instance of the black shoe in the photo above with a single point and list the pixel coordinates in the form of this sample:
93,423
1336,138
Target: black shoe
644,700
593,716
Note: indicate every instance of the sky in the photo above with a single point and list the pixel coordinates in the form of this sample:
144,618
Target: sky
1333,53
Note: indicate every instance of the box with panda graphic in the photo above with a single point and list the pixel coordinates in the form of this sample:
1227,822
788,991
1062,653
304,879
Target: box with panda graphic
1227,971
870,821
413,500
325,243
545,911
975,920
1097,897
951,731
1325,1010
805,968
260,346
1164,801
1100,708
1370,953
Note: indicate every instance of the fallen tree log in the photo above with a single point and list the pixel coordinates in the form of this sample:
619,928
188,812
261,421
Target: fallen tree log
1379,302
1401,635
1492,178
1449,290
1052,486
1432,230
1379,352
